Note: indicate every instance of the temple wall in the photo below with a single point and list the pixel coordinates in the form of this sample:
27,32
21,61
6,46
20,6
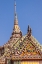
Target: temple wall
30,62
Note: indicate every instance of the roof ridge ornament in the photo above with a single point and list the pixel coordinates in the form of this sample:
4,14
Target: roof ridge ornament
29,31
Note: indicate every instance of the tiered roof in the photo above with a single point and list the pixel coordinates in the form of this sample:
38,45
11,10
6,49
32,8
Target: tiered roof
21,47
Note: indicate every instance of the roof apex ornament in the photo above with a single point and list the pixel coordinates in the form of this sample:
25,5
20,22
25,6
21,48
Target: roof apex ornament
29,31
16,29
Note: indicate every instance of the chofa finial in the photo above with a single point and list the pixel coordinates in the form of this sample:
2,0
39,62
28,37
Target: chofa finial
29,31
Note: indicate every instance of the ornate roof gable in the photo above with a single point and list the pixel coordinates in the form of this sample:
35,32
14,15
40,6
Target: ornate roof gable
25,48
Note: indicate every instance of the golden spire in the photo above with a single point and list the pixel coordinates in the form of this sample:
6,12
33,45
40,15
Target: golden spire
16,30
16,34
16,27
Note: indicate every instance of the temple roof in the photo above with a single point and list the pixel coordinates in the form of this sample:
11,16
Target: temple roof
25,47
21,47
